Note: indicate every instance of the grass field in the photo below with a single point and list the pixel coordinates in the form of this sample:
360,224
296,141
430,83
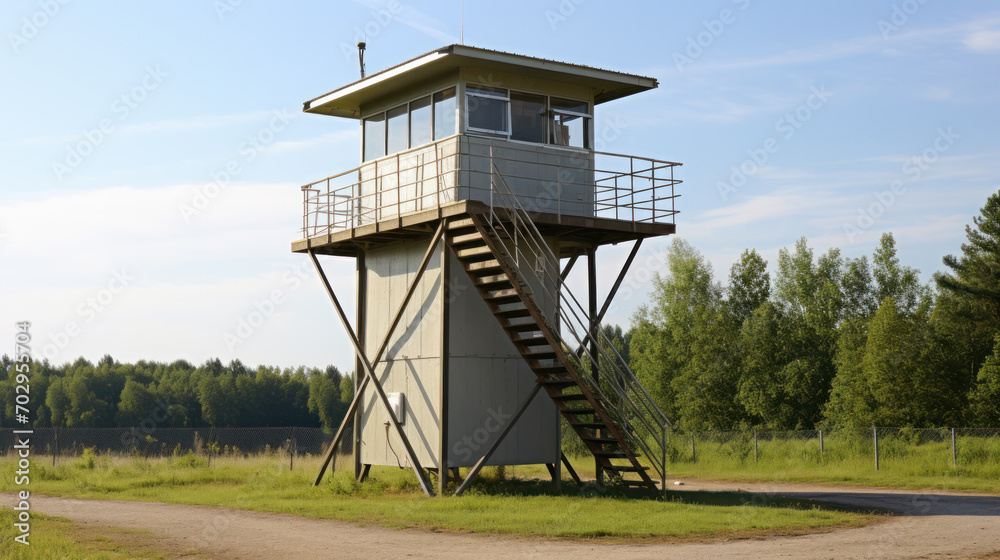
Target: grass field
391,498
57,538
903,462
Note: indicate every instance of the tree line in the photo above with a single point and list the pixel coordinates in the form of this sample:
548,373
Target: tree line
113,394
825,341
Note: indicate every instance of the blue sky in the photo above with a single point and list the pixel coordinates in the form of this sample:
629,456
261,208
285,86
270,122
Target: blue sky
833,121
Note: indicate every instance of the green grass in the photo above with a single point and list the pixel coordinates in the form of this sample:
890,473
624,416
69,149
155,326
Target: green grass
903,462
391,498
58,538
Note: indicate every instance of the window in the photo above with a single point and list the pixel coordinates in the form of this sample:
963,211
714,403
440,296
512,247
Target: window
570,123
420,122
444,113
397,134
487,108
374,131
527,117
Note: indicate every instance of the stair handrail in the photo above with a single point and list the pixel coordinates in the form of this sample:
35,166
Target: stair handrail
621,379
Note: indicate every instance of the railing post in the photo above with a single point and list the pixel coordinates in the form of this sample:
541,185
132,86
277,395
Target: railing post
663,459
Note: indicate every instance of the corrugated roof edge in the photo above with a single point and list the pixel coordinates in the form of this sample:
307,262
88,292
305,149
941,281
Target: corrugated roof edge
450,50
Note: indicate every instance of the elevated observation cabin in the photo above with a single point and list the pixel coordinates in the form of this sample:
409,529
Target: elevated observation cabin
479,187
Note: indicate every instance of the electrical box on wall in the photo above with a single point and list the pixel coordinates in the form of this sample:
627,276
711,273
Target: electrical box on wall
398,404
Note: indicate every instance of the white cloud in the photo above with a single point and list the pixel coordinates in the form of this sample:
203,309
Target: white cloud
986,41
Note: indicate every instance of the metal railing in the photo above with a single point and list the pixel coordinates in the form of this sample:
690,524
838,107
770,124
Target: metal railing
636,415
619,187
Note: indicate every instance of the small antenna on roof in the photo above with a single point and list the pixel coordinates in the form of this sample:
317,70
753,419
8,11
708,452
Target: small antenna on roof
361,57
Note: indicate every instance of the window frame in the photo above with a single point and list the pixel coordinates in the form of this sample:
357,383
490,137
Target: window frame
487,95
549,114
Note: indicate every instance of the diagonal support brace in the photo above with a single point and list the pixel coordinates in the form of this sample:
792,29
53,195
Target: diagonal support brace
352,409
411,455
482,461
595,321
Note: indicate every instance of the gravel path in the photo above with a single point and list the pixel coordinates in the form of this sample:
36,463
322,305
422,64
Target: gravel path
933,524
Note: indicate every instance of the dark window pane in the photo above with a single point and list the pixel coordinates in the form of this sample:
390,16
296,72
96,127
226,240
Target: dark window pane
374,137
527,117
488,113
420,122
444,113
397,129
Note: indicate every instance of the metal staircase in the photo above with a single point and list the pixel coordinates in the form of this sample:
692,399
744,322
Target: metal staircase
504,254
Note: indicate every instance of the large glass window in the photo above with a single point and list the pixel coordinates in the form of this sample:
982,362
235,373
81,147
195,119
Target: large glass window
420,122
374,131
487,109
570,123
397,133
444,113
527,117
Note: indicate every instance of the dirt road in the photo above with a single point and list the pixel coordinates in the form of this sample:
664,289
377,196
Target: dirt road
933,524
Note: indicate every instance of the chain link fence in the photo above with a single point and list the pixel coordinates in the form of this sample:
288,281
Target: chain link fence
69,443
877,445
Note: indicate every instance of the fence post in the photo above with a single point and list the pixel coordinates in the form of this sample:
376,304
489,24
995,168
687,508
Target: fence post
875,435
694,454
954,453
755,446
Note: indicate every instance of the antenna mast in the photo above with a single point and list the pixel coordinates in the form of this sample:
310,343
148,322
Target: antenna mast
361,57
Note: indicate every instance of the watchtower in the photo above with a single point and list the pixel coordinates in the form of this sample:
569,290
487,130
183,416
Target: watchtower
479,188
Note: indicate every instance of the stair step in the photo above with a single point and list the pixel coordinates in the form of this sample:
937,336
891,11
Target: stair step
601,440
533,341
490,267
461,223
611,454
579,411
523,327
513,313
501,297
468,239
626,468
560,383
473,254
494,282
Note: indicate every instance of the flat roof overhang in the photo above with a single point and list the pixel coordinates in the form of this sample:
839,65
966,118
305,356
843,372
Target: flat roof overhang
347,101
